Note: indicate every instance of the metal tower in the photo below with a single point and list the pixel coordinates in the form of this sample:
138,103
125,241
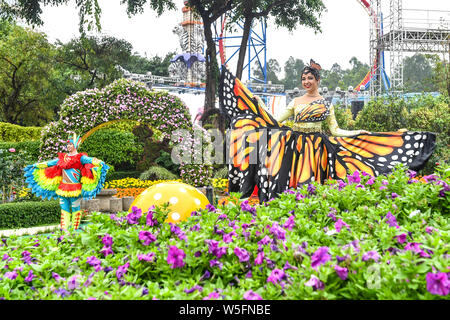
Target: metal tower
408,30
256,52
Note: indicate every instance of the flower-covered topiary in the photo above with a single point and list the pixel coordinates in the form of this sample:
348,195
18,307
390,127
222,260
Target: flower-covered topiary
121,100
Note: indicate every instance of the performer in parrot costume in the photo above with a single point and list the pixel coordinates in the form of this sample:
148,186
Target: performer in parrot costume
70,177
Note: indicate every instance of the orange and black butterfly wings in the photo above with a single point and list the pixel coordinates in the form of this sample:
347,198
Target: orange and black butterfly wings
379,153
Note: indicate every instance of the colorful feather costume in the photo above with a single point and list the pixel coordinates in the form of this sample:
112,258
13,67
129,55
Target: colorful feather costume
69,178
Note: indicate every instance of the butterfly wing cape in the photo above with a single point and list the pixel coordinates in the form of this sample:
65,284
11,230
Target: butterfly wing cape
264,153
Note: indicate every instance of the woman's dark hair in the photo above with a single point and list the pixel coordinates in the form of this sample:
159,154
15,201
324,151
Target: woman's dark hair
311,70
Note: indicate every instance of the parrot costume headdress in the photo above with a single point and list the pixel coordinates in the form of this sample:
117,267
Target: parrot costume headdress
75,140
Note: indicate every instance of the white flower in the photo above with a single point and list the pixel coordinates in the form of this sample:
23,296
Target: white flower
414,213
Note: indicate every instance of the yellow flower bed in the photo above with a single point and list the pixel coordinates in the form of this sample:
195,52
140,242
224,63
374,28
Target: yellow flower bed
132,183
220,184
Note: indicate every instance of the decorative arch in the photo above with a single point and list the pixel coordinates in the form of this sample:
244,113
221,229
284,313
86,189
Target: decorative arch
87,111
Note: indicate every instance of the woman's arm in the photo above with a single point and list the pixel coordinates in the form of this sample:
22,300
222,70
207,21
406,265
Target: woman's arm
46,164
289,112
92,160
338,132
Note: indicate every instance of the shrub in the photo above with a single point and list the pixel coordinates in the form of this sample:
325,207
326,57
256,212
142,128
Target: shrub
15,133
117,175
113,146
383,115
29,214
12,163
30,147
157,173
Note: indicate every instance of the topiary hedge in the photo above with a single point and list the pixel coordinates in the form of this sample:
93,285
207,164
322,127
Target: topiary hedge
29,214
14,133
30,147
118,148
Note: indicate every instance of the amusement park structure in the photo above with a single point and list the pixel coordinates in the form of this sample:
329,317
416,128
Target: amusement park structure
403,30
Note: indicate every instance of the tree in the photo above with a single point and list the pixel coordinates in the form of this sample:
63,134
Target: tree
30,11
355,74
418,74
91,61
273,69
26,66
292,73
332,78
156,65
287,13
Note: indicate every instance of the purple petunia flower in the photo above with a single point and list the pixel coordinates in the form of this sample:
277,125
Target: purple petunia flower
341,185
26,257
415,247
73,284
228,237
429,230
11,275
56,276
242,254
341,272
315,283
61,292
394,195
150,220
206,275
134,216
290,223
212,295
287,266
278,232
248,208
401,238
213,248
210,208
259,258
94,262
194,288
215,263
107,240
438,283
339,224
371,181
311,189
146,237
251,295
106,251
354,178
371,255
391,220
320,257
264,241
175,257
276,276
149,257
121,270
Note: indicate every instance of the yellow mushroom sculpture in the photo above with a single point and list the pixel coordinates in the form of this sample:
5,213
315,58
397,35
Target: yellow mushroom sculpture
182,198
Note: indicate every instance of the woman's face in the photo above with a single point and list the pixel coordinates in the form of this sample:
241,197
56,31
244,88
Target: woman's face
70,147
309,82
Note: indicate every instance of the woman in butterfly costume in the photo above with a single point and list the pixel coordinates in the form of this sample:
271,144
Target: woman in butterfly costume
264,153
70,177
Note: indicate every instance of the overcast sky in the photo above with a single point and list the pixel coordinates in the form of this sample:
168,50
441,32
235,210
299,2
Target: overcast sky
345,30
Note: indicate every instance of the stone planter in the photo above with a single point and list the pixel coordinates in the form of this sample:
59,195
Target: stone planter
126,203
105,196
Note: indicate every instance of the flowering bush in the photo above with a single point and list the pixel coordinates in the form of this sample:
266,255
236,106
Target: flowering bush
11,178
121,100
362,238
